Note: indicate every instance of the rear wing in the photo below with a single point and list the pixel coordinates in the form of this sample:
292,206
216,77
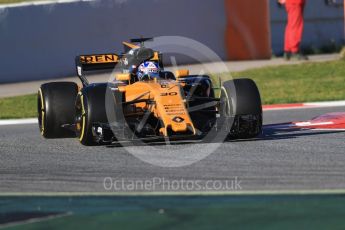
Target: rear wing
109,61
94,62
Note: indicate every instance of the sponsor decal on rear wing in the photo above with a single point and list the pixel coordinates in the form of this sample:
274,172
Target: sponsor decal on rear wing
94,62
98,58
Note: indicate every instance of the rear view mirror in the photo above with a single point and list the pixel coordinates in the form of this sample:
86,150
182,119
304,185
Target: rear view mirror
181,73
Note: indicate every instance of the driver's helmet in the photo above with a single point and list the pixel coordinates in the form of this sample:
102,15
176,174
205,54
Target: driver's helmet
148,70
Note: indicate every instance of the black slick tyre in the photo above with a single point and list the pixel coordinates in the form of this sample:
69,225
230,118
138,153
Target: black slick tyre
55,108
241,109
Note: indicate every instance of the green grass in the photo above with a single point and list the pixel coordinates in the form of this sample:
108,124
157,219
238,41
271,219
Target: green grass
305,82
18,107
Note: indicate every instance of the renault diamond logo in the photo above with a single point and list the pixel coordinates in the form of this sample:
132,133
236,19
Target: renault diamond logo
178,119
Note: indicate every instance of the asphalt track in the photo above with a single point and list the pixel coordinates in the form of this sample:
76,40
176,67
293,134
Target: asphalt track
277,161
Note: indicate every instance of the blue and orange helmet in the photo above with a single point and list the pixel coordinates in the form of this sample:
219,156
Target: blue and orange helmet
148,69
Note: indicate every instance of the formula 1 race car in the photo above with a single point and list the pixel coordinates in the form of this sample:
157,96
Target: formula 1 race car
144,102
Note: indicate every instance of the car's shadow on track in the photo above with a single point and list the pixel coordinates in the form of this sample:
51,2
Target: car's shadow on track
269,134
140,143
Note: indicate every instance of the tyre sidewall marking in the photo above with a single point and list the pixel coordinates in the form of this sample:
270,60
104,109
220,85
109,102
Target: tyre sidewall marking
227,100
83,115
42,112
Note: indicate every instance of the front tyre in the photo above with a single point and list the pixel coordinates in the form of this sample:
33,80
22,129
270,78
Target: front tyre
241,109
90,110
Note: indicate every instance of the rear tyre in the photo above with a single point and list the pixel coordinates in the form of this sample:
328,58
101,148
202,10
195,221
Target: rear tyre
55,108
241,109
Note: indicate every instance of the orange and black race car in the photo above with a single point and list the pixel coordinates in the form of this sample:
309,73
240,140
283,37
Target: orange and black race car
144,102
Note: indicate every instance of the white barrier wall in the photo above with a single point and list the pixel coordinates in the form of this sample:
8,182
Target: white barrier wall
41,41
323,25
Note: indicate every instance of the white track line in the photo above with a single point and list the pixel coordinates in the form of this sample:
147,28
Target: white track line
37,3
306,105
182,193
19,121
326,104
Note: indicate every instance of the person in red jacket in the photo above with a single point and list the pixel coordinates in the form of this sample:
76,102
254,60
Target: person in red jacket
294,29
